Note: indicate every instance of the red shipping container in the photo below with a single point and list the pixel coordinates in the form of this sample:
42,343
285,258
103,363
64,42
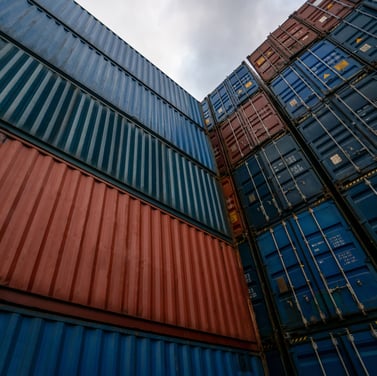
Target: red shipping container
233,207
236,137
324,15
67,236
217,151
292,37
267,60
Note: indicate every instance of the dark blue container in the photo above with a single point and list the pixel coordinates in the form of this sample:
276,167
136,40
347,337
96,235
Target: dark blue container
313,75
39,344
358,32
340,140
274,363
363,199
255,292
45,107
242,84
221,102
345,351
274,181
66,52
206,111
317,270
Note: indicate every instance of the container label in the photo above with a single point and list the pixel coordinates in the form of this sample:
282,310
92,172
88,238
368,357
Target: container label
248,84
207,121
293,103
341,65
365,47
317,2
233,217
323,19
336,159
220,110
248,278
240,91
260,61
252,198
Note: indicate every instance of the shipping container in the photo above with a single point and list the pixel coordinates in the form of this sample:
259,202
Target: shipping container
36,343
44,107
75,18
292,37
221,102
274,363
255,121
267,60
241,84
66,52
206,111
343,351
233,207
70,237
342,144
316,73
362,197
256,293
218,152
317,270
324,15
358,32
274,181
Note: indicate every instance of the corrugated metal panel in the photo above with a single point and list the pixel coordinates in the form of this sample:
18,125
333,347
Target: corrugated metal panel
241,84
324,15
317,269
39,344
68,53
218,151
344,146
49,108
267,60
73,16
67,236
345,351
314,74
274,181
206,111
358,32
363,200
256,295
292,37
221,102
233,207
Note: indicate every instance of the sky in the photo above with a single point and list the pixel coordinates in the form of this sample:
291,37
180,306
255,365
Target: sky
195,42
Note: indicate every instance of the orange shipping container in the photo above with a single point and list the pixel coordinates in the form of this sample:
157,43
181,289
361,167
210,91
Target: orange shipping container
68,236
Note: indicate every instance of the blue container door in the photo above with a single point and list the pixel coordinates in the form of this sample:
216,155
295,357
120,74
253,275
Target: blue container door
221,102
292,177
293,286
242,84
345,148
358,32
347,281
327,66
296,93
259,201
363,199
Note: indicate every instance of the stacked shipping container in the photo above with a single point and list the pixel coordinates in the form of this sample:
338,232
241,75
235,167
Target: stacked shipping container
306,186
112,213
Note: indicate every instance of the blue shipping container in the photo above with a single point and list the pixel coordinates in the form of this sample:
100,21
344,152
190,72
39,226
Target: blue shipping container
43,105
255,292
40,344
363,199
317,72
242,84
317,269
274,181
358,32
344,351
342,143
65,51
221,102
206,111
72,16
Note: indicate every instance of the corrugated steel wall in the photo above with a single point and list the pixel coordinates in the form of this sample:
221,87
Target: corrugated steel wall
39,344
66,52
65,235
44,105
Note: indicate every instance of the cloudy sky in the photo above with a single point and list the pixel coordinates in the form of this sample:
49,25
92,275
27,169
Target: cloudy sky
196,42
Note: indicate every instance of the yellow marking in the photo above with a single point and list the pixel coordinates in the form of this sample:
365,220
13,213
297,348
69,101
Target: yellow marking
248,84
260,61
358,40
341,65
326,75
